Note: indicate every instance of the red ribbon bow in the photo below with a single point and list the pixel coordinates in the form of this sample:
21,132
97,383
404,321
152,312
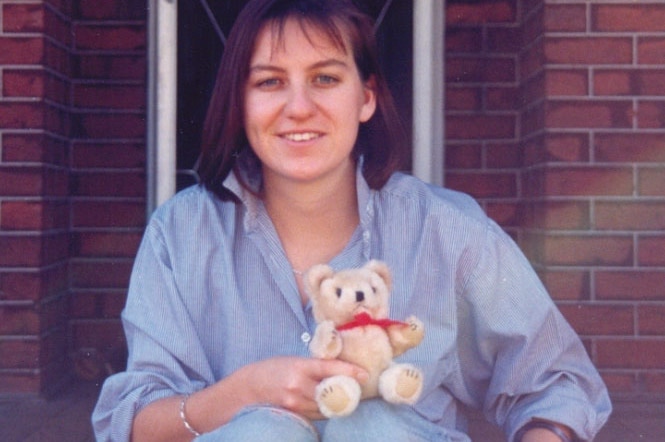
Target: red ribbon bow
363,319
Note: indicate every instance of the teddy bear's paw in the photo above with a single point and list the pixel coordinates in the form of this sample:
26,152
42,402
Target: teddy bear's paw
337,396
415,331
401,384
334,346
326,343
406,335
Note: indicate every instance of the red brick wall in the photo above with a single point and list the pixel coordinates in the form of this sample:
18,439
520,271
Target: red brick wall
483,154
34,121
585,190
108,160
72,181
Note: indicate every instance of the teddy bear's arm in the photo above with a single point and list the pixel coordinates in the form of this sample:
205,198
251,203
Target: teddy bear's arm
326,343
404,337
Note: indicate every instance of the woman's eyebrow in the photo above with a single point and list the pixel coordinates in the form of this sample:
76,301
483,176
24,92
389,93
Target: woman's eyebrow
328,63
265,67
318,65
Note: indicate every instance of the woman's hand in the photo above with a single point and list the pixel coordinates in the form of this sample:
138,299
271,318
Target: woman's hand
286,382
290,382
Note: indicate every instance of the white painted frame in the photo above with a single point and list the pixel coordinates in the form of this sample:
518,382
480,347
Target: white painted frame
428,90
428,96
162,101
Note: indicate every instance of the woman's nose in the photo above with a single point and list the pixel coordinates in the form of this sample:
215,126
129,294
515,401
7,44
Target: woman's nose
299,102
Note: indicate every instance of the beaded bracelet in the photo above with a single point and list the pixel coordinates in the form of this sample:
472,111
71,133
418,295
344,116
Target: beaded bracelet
544,425
183,417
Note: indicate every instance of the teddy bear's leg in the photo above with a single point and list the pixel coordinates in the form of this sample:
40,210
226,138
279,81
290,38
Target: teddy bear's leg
401,384
337,396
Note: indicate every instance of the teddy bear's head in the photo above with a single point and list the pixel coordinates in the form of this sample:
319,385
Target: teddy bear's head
339,296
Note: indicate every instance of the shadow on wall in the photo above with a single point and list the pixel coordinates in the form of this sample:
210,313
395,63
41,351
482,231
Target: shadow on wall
92,364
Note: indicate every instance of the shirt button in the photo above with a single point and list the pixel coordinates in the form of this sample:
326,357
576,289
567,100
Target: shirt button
306,337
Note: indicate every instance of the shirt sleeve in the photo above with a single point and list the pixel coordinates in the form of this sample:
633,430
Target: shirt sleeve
522,359
165,356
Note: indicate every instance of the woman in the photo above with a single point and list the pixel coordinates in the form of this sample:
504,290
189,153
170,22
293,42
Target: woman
298,168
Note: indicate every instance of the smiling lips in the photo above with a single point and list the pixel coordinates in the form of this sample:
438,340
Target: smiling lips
301,136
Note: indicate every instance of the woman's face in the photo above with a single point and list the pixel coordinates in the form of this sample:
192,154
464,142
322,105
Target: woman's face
304,102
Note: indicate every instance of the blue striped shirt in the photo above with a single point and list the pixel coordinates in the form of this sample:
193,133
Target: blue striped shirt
212,291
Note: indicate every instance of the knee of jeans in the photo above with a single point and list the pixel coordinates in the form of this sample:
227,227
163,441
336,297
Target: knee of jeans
264,423
377,420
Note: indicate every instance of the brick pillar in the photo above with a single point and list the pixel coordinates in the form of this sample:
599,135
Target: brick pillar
34,221
108,183
483,156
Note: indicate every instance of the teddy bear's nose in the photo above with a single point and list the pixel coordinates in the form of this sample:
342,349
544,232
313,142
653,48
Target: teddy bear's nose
360,296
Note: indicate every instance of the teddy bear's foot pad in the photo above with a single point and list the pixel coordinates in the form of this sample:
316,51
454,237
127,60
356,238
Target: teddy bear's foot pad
338,396
401,384
408,384
335,398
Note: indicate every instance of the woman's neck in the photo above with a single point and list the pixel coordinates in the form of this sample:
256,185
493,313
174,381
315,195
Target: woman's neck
314,221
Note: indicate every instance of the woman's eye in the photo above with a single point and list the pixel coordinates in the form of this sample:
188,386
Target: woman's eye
268,83
326,80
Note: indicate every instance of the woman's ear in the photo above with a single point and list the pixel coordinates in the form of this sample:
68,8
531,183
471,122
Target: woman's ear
369,104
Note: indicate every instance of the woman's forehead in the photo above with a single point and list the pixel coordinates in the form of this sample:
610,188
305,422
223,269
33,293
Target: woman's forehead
318,35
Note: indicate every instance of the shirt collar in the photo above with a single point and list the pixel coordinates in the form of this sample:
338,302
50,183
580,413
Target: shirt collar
252,176
250,172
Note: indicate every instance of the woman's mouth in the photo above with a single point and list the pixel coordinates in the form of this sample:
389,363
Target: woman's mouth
301,136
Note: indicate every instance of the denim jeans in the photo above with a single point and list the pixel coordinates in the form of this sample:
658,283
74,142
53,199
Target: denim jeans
263,424
374,420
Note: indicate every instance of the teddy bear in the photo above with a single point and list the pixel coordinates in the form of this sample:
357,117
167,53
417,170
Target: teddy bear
350,308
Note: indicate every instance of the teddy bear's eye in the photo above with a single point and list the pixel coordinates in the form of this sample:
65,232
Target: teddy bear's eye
338,292
373,289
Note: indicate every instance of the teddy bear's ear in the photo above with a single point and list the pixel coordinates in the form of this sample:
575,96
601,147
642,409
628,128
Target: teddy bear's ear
381,269
315,276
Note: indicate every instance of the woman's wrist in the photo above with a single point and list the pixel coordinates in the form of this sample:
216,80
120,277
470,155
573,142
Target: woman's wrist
183,417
